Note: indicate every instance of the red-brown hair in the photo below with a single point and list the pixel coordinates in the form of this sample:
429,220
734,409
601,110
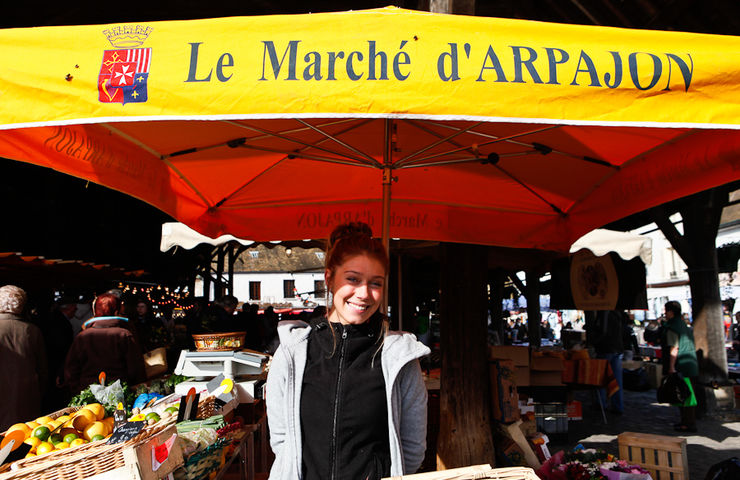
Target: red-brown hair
106,305
352,239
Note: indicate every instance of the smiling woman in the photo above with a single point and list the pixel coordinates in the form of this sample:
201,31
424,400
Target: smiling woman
355,386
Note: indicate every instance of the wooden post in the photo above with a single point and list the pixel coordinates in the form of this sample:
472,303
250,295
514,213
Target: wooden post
230,271
219,290
496,280
534,316
465,436
696,247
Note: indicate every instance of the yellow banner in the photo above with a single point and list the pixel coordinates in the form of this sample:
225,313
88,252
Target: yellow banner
385,62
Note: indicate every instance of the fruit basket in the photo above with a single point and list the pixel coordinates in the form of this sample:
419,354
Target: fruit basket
219,342
131,459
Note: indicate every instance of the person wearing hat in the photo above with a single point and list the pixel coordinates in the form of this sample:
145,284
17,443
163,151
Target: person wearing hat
23,360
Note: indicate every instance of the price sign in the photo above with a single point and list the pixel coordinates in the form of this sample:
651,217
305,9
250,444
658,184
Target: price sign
125,431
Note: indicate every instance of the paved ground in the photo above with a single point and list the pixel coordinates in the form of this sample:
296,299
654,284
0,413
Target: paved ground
717,439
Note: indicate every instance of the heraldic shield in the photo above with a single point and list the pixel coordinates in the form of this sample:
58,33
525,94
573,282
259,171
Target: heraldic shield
123,75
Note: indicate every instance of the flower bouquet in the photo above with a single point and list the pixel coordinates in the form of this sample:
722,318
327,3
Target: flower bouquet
622,470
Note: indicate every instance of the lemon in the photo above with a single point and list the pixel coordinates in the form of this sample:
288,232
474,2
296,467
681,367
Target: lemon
30,455
97,409
22,427
77,442
63,419
33,442
41,432
32,425
95,428
61,445
109,422
83,418
44,448
44,420
54,424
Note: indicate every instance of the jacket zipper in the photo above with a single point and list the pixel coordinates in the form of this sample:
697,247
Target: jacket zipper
336,405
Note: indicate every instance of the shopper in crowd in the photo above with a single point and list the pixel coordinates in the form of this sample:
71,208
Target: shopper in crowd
23,366
151,332
58,335
604,332
345,396
104,345
679,355
219,317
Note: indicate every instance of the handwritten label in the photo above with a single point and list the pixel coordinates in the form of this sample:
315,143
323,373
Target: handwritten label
125,431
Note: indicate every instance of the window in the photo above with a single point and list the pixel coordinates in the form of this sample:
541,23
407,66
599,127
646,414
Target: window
255,291
320,255
319,288
254,254
289,288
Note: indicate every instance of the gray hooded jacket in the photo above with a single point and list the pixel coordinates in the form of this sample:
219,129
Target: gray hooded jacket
406,397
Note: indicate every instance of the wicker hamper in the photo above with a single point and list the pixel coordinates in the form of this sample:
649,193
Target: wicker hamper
130,459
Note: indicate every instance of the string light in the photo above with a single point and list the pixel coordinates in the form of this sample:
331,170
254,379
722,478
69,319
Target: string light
161,296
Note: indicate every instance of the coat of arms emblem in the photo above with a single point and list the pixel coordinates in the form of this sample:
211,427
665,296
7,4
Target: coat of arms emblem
124,72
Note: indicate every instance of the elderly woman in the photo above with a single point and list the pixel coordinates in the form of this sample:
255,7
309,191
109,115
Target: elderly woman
22,360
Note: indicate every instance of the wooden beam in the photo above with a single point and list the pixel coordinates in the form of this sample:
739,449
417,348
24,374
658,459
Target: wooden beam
679,243
465,436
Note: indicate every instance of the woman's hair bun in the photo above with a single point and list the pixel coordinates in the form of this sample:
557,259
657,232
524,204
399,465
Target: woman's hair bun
350,230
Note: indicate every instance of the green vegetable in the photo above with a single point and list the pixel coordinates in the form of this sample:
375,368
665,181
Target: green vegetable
215,422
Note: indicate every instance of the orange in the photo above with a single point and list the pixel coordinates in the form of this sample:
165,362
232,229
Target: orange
83,418
44,448
22,427
95,428
77,442
67,430
97,409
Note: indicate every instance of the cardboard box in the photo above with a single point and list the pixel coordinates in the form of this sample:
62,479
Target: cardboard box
519,355
504,396
654,373
575,410
545,378
521,374
546,363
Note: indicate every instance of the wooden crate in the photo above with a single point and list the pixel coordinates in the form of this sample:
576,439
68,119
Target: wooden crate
474,473
664,457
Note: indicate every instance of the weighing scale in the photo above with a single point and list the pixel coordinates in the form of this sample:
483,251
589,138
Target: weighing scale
244,368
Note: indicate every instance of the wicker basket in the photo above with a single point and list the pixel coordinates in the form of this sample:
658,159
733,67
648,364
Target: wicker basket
87,460
219,342
474,473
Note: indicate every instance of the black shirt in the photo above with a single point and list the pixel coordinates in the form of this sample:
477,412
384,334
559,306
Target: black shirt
344,416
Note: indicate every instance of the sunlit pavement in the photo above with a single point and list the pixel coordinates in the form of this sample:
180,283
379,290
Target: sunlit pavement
717,438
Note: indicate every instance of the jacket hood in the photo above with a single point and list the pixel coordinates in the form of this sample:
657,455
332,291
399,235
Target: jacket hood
398,346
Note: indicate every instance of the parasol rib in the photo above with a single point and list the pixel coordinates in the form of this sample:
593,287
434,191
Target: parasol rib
295,140
162,158
336,140
406,159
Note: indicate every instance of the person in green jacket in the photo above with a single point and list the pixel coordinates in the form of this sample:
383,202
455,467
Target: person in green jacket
679,355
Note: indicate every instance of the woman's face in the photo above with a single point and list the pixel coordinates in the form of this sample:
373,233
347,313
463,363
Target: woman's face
357,288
